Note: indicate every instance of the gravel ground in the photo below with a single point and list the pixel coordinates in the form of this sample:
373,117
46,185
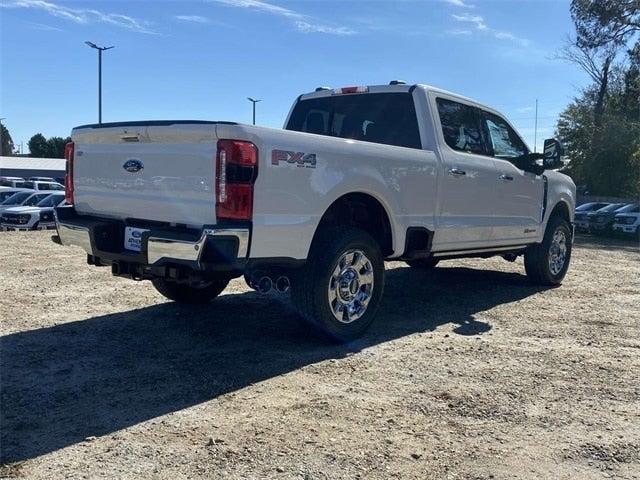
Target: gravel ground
469,373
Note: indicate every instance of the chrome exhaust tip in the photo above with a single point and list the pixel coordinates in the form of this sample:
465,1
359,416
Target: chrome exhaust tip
283,284
264,285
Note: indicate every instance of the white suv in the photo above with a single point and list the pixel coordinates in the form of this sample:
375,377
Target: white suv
628,222
37,217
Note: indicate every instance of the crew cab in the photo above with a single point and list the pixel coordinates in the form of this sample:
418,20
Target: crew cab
358,176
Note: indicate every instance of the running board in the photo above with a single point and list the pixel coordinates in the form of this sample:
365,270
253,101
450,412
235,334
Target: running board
490,250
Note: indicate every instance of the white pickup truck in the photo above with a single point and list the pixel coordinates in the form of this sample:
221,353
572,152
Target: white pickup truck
358,175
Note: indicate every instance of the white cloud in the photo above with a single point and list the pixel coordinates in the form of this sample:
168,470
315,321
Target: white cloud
303,23
192,18
80,15
479,23
459,32
306,27
476,20
459,3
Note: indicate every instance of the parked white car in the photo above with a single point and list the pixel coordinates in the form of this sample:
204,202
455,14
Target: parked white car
27,198
628,222
12,182
582,214
359,175
40,185
39,216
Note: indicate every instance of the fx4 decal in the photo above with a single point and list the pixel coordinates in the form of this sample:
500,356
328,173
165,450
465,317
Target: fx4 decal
299,159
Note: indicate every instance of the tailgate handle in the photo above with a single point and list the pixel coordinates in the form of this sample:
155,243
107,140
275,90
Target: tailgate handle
130,138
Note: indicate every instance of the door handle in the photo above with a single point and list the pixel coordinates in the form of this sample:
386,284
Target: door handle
456,172
504,176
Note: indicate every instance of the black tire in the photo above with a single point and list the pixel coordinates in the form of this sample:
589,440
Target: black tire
537,257
310,289
193,294
423,263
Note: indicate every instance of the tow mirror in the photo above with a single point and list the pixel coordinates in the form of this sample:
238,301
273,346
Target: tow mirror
553,152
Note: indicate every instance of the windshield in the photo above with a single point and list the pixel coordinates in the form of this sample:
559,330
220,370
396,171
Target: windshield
35,198
17,198
628,208
51,201
586,207
610,208
5,195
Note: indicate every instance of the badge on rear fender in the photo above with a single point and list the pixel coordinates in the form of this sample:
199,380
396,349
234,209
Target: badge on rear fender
299,159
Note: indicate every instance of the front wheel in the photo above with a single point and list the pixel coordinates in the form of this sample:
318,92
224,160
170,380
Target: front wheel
340,289
547,263
198,292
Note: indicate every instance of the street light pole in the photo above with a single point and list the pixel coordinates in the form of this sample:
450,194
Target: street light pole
254,101
100,50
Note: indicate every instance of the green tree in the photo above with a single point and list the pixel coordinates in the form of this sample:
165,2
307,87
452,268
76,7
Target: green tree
611,165
7,142
38,146
55,147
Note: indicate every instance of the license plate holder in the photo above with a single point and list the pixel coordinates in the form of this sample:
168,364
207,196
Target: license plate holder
133,238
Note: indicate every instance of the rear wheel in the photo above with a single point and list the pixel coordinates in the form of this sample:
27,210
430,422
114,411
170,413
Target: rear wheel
424,263
198,292
547,263
340,289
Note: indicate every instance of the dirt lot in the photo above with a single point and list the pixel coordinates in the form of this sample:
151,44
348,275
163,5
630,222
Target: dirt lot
469,373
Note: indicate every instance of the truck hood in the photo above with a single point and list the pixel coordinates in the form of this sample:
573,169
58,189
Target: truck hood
22,210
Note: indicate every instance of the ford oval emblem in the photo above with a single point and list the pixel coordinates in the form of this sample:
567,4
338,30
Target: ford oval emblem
133,165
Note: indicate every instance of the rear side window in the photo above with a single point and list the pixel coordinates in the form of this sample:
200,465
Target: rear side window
388,118
460,126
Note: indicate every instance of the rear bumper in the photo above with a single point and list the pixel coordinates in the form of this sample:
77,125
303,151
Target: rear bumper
211,248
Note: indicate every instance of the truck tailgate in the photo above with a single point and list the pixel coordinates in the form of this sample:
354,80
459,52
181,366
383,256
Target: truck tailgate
159,171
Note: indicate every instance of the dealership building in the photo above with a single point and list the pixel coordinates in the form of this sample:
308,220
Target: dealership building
26,167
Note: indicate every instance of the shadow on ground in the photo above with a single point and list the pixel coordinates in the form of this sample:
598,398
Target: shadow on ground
64,383
601,242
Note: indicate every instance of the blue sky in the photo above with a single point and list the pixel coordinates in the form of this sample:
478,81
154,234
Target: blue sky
200,60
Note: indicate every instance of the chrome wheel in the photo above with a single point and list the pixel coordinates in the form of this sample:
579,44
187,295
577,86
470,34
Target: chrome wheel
350,286
557,252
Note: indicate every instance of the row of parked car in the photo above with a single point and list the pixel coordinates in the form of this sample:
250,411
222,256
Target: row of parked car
605,217
27,204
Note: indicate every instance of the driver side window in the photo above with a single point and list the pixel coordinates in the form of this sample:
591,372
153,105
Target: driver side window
505,142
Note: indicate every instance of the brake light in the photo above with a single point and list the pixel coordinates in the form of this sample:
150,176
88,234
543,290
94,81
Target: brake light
236,172
68,178
344,90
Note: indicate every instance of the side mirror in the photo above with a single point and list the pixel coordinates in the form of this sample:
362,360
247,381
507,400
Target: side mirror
553,152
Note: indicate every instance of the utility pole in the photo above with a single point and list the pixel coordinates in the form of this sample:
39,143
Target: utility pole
254,101
535,131
100,50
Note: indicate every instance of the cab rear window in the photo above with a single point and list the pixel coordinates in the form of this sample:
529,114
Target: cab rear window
388,118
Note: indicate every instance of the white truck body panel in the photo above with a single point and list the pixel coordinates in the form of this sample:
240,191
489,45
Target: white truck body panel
416,188
176,184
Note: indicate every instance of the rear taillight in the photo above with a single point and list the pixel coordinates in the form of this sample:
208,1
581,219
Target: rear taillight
236,172
68,178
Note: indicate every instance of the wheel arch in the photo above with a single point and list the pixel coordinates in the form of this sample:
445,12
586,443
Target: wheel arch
362,210
561,209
